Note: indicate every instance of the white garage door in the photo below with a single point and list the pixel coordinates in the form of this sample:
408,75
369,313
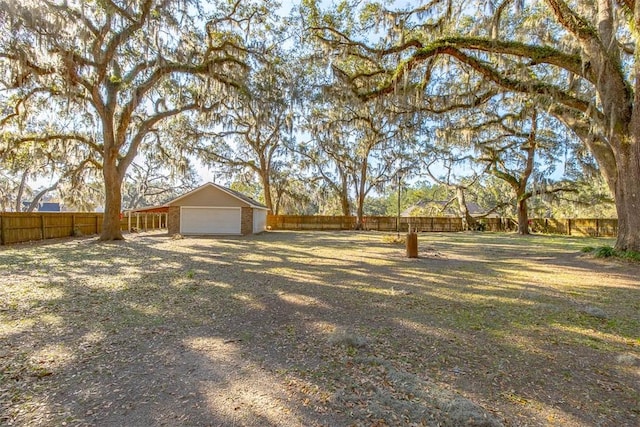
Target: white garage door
197,220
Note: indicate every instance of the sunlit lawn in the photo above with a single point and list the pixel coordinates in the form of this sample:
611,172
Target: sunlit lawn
320,328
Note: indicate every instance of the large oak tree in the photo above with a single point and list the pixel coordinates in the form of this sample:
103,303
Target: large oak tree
355,147
256,125
576,59
124,66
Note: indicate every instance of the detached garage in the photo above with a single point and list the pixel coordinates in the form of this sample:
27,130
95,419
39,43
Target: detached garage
215,210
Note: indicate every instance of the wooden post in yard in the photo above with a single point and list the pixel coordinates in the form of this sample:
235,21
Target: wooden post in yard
412,244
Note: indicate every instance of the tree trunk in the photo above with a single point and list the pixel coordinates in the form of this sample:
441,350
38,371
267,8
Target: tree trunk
628,198
277,204
360,213
346,206
36,200
23,184
523,217
361,196
113,201
627,192
468,222
344,195
266,188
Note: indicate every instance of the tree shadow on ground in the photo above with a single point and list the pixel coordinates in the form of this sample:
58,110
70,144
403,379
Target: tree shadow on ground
316,329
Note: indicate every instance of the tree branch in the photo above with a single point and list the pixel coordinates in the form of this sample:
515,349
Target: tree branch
484,69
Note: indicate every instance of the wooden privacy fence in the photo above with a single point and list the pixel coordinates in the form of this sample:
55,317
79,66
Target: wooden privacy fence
310,222
377,223
390,223
17,227
596,227
572,227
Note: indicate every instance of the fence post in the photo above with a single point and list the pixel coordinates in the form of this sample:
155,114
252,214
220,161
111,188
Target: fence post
569,226
97,231
42,229
2,230
597,227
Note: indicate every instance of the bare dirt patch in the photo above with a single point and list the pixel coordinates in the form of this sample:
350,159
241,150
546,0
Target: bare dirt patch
318,329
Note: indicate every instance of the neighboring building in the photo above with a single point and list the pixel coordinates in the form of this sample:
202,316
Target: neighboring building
44,206
212,209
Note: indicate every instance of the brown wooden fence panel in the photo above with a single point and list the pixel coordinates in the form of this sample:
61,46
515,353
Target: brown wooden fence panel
17,227
594,227
575,227
496,224
607,227
377,223
583,227
558,226
86,224
58,226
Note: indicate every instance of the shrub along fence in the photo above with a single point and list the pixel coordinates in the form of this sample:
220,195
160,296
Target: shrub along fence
17,227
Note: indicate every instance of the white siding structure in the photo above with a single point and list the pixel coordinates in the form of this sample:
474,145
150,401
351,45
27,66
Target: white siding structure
212,209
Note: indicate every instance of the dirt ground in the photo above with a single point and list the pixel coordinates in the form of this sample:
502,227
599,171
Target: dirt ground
318,329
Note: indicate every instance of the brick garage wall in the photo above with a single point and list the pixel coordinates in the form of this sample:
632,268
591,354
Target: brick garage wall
246,221
173,220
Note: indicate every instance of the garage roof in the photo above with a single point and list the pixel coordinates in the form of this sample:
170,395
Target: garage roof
163,208
150,209
248,200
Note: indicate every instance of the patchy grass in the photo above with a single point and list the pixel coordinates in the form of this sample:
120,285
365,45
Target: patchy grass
304,329
608,252
394,239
